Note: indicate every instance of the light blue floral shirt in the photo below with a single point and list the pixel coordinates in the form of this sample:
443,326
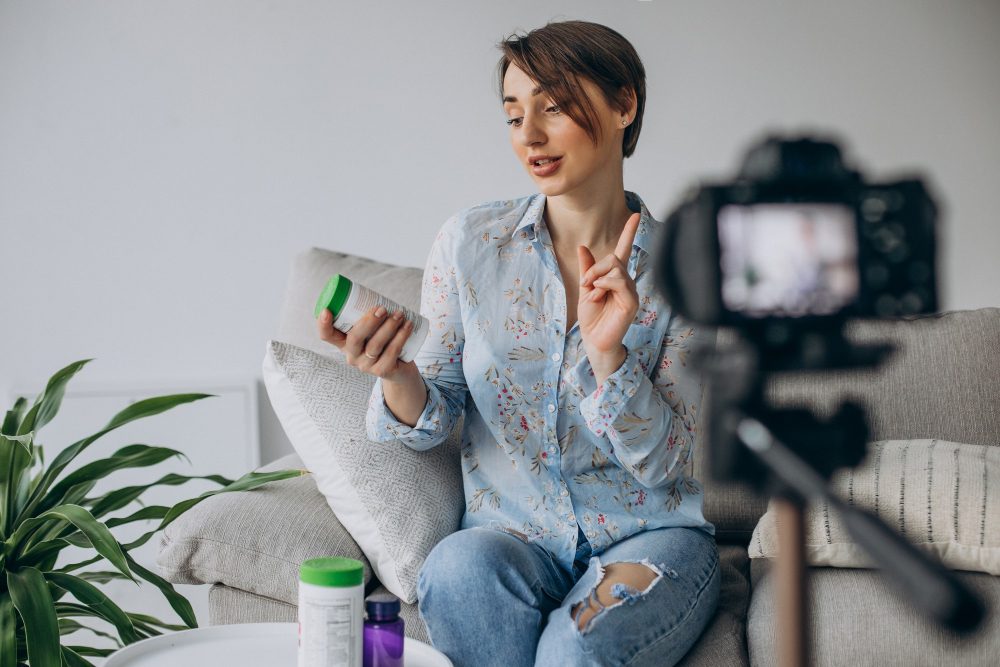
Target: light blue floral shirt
545,450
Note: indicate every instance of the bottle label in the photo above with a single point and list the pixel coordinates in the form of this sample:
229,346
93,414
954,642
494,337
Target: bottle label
330,639
361,300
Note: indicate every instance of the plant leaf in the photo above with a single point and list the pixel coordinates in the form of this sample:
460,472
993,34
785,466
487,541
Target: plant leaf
13,418
249,481
93,597
90,651
101,576
152,406
15,459
68,626
145,514
47,403
76,566
71,657
38,502
67,609
41,628
113,500
38,553
26,440
24,484
131,456
8,631
150,621
98,534
179,603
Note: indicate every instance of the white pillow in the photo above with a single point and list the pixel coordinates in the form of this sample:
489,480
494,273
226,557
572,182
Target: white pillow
944,497
397,503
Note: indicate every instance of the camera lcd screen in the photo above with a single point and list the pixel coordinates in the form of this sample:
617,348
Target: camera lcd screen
788,259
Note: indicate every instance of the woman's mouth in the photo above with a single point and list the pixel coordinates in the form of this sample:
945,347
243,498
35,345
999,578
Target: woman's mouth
543,165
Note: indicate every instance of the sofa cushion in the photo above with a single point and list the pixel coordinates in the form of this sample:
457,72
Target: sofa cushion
941,383
942,496
255,540
858,618
396,502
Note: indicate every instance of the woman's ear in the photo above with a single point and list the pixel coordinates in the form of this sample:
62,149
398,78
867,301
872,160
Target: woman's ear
627,104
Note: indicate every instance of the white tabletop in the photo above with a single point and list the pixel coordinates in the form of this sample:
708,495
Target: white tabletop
274,644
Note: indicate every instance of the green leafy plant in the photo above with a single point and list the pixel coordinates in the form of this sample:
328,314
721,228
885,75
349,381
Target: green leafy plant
40,516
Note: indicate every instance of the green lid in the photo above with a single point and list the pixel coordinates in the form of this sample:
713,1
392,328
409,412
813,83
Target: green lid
334,295
332,572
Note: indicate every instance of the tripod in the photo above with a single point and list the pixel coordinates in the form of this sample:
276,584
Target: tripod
791,454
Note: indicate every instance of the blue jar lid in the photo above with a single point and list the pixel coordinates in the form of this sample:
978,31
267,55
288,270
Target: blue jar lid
382,607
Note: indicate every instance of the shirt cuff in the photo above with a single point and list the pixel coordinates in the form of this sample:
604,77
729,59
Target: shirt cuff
383,425
603,403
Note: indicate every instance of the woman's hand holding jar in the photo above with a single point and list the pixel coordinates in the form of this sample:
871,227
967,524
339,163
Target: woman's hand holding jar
373,346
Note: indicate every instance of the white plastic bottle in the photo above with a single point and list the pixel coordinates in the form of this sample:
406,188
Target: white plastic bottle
331,612
349,302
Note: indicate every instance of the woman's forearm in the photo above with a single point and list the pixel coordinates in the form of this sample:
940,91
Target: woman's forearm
406,396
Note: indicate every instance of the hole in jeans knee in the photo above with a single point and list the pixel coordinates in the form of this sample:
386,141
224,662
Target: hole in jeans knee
625,584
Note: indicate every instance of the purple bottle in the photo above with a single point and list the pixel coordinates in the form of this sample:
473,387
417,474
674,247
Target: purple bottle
383,632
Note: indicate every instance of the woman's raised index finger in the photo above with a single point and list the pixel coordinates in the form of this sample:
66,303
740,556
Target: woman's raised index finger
624,248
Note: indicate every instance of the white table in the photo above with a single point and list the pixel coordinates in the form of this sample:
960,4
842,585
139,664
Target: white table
271,644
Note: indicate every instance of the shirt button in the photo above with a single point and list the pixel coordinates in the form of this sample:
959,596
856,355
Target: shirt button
552,408
555,357
564,493
591,534
552,449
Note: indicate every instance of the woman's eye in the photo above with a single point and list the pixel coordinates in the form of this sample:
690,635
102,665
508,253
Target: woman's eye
516,122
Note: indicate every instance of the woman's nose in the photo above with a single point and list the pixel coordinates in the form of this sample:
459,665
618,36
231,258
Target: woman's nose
531,132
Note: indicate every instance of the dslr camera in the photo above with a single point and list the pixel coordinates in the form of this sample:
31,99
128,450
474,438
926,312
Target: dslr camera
798,243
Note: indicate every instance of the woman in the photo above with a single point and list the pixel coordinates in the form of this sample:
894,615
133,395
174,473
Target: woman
583,541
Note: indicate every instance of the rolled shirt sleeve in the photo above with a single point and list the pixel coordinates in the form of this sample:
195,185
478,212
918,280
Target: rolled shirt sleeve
647,424
439,360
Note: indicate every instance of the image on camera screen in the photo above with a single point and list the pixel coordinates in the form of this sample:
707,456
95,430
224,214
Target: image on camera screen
788,259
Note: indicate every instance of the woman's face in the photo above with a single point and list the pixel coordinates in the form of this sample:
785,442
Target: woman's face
539,131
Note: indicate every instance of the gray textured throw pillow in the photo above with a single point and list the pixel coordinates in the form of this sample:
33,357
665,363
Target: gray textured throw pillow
255,540
397,503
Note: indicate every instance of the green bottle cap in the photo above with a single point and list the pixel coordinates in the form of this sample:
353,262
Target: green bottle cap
332,572
334,295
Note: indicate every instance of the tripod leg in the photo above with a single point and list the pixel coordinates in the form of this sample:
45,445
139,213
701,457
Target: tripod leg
791,584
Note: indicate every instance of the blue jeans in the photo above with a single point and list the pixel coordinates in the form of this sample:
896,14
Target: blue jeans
490,598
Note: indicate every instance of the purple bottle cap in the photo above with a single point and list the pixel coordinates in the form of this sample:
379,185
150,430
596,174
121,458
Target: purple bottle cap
382,607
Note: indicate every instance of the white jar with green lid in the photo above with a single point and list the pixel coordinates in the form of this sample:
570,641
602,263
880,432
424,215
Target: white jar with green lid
349,302
331,612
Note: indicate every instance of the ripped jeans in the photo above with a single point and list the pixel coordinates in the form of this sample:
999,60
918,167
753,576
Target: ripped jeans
490,598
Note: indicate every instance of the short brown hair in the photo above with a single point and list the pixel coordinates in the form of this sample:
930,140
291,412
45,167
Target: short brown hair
557,55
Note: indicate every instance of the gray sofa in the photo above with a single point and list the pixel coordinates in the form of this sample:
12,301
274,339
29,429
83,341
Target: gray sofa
943,384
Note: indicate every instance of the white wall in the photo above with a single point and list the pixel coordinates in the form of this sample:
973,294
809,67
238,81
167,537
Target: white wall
161,162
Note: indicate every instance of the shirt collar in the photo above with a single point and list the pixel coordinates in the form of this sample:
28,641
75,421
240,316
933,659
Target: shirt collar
532,220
